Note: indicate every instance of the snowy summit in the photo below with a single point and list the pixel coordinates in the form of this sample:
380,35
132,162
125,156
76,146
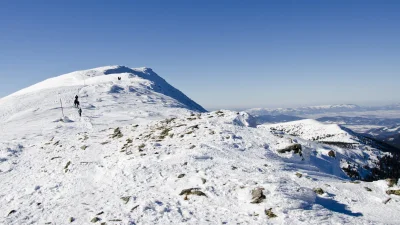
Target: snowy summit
142,152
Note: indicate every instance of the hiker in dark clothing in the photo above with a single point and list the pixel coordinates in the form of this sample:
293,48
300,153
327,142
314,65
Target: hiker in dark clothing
76,102
80,112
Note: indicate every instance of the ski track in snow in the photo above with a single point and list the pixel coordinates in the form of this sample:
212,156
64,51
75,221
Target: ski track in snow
162,139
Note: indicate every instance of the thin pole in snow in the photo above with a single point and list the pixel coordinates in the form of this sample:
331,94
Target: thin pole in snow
62,110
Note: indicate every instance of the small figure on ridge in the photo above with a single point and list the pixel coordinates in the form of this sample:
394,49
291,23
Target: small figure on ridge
76,102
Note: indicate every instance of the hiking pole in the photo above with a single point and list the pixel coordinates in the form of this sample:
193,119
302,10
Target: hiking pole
62,110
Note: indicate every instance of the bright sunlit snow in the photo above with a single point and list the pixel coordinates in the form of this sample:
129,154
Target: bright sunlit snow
140,143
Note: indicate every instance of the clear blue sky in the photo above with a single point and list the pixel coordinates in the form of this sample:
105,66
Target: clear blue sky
222,54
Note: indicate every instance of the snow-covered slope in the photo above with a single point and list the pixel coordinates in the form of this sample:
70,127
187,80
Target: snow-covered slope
106,79
142,155
390,135
105,100
313,130
350,149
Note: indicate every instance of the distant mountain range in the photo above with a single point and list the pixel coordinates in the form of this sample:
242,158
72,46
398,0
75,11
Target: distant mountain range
381,123
309,110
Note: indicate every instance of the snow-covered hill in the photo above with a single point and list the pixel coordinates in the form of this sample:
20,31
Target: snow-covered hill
144,153
380,123
139,95
313,130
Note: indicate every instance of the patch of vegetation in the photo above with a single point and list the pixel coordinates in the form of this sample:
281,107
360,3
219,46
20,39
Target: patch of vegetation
135,207
219,112
126,199
117,133
334,143
66,166
351,172
85,137
192,191
318,191
141,147
270,214
299,175
367,189
194,127
164,133
393,192
391,182
127,145
167,121
296,148
95,220
181,125
257,195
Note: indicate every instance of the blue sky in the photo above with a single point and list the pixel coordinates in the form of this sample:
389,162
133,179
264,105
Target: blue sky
222,54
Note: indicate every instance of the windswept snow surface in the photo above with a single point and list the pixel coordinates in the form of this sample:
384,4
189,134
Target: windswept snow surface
137,146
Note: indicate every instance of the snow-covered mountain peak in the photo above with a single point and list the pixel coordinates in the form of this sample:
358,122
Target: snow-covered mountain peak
95,76
103,93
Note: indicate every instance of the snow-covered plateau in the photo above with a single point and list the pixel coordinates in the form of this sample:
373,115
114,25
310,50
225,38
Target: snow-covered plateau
145,153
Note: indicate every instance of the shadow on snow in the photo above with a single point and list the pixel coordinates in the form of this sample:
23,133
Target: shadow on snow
336,206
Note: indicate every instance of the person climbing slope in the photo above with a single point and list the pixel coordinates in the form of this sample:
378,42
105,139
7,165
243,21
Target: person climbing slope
76,102
80,112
